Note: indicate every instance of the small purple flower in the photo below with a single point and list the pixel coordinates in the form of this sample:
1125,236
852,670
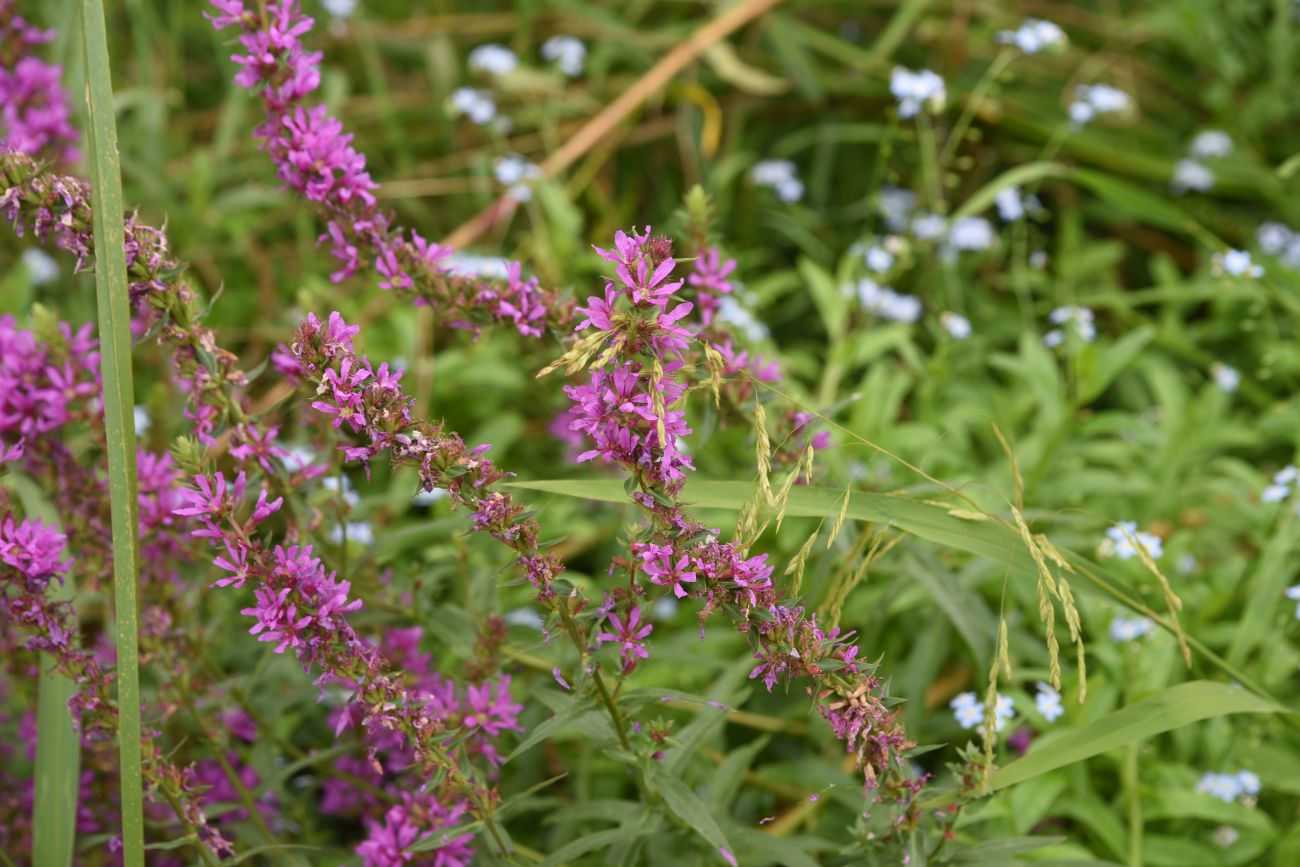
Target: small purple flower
630,633
492,710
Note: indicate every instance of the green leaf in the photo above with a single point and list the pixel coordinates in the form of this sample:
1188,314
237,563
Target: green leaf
1289,167
756,847
688,807
114,308
58,745
1115,359
724,783
1136,202
1003,851
924,520
591,843
250,854
564,718
443,836
516,801
964,607
826,295
1019,176
1164,711
1264,591
794,57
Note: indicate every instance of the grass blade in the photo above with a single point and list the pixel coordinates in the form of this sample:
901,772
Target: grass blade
58,746
925,520
1163,711
114,306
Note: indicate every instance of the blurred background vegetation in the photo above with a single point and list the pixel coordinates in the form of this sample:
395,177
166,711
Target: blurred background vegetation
1131,426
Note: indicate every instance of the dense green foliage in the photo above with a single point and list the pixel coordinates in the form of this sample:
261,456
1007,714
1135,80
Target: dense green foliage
981,436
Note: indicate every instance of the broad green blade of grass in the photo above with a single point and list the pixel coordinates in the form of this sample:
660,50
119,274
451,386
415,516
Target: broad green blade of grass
925,520
58,746
1264,590
1164,711
114,306
985,196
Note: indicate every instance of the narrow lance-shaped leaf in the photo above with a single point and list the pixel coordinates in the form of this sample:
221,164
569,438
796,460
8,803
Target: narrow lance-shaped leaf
114,308
58,744
1163,711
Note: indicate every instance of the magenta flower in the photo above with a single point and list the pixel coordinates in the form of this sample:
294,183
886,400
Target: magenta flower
417,817
252,444
236,564
661,569
492,711
630,633
212,499
709,280
34,107
33,548
314,156
277,618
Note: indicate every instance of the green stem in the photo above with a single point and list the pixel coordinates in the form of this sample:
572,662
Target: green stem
933,180
1134,805
982,87
113,302
617,717
605,698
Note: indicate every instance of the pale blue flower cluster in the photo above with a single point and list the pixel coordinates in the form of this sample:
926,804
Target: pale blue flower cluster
1227,378
957,326
886,303
1192,173
1229,787
41,269
1211,144
1048,702
928,227
1010,208
1093,100
1235,263
741,317
475,265
477,105
1125,539
493,59
1280,489
779,176
1078,320
895,205
970,234
1281,241
913,90
359,532
340,9
1123,629
517,175
875,255
1033,35
969,710
566,52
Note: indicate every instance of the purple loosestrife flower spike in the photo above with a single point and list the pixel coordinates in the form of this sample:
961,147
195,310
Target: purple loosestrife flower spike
315,157
34,107
626,408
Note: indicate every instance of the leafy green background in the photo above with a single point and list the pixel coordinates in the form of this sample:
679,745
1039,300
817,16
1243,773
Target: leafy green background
1130,427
